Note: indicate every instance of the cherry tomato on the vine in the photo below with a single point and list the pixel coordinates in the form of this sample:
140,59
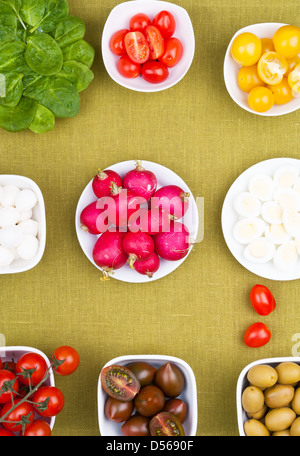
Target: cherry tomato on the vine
70,357
116,42
172,53
165,22
137,47
39,428
31,361
257,335
128,68
55,403
24,409
8,376
6,433
155,72
262,300
139,22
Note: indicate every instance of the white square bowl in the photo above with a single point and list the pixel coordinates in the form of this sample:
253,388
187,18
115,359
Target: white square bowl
242,384
14,353
188,395
38,214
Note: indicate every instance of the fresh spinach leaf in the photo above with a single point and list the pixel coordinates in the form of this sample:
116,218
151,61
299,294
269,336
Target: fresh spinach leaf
13,89
69,30
81,51
43,55
77,73
32,11
8,24
18,118
15,5
55,11
43,121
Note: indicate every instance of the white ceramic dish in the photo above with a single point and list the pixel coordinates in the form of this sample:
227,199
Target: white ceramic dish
14,353
231,69
229,217
189,394
119,19
242,384
165,177
38,214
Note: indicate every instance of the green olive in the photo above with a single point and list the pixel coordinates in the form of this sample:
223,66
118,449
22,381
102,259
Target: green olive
255,428
296,402
260,414
295,428
288,373
284,433
279,395
279,419
262,376
252,399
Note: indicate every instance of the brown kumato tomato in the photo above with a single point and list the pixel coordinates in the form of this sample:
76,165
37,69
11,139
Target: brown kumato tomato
177,407
119,382
118,411
136,426
166,424
170,380
144,372
149,401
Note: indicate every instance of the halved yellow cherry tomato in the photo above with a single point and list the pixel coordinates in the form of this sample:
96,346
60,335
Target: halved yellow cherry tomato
267,45
246,49
261,99
292,64
271,67
248,78
294,80
287,41
282,92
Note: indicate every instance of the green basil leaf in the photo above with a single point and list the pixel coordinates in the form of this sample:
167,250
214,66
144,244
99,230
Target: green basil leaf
81,51
43,55
19,117
43,121
13,89
77,73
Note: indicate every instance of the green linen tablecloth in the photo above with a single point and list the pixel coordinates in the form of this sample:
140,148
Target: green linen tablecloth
198,313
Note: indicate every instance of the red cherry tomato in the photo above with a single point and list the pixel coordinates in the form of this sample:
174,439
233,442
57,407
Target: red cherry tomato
155,41
55,403
128,68
154,72
257,335
6,433
23,409
116,42
31,361
1,364
262,300
139,22
70,358
137,47
39,428
173,52
165,22
7,376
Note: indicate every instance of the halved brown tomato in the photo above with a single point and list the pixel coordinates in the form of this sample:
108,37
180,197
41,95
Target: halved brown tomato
137,47
119,382
155,42
166,424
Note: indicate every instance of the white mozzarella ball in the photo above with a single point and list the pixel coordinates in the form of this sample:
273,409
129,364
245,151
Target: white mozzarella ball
1,194
25,215
10,193
6,256
26,200
29,227
28,248
11,236
8,216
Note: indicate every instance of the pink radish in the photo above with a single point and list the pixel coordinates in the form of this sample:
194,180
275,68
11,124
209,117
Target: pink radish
140,181
154,221
172,199
149,266
108,252
173,245
124,203
102,182
91,220
138,246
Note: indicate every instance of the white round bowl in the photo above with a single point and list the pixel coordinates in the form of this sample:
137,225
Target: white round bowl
231,69
188,395
242,384
38,214
164,177
229,217
14,353
119,19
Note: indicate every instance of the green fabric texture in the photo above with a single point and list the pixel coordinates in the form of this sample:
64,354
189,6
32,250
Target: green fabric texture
198,313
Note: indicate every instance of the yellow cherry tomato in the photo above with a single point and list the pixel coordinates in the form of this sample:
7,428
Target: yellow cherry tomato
248,78
292,63
246,49
271,67
282,92
287,41
260,99
267,45
294,80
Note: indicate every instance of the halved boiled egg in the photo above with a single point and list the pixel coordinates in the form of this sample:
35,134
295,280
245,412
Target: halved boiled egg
247,205
260,251
277,234
248,229
291,222
286,176
262,186
286,256
271,212
287,198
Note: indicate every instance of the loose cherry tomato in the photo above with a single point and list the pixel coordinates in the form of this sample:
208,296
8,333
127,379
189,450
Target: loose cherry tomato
149,401
177,407
257,335
262,300
173,52
267,45
139,22
165,22
24,409
155,42
144,372
128,68
118,411
154,72
261,99
248,78
271,67
119,382
32,362
136,426
282,92
287,41
170,379
166,424
7,376
116,42
246,49
39,428
70,357
50,398
137,47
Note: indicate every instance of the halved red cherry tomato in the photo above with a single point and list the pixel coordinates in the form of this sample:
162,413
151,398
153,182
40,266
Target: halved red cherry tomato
128,68
257,335
173,52
137,47
165,22
139,22
116,42
155,72
262,300
155,41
